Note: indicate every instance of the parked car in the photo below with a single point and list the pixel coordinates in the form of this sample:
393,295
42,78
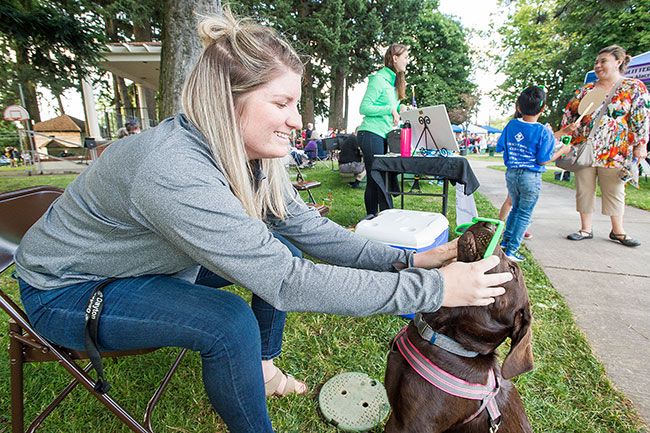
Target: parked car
4,161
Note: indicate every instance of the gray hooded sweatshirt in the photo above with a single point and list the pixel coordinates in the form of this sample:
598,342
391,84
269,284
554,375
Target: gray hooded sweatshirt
158,203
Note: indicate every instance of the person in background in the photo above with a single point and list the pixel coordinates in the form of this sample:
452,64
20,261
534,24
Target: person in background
14,156
308,131
311,148
527,146
121,133
132,127
507,203
202,201
620,142
350,159
472,143
380,107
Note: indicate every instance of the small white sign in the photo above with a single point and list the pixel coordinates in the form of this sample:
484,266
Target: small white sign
438,134
15,113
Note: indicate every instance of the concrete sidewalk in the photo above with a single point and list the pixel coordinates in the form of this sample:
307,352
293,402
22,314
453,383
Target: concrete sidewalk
50,167
606,284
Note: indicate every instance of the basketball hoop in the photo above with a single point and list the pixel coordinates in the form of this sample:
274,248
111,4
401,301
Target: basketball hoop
15,113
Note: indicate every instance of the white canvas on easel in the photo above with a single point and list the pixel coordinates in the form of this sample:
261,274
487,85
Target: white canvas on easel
441,136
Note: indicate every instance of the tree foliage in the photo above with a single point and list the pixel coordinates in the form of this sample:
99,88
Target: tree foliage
344,41
440,61
555,42
51,43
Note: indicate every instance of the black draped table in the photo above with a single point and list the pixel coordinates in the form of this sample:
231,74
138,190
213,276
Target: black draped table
449,169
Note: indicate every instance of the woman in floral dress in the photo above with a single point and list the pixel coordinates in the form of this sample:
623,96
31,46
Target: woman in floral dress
619,142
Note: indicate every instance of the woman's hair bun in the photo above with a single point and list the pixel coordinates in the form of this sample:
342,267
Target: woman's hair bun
215,28
626,61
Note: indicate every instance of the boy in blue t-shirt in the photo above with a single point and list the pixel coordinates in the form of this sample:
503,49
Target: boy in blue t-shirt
527,146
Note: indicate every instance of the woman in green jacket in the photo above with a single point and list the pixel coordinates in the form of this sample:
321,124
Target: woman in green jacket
380,108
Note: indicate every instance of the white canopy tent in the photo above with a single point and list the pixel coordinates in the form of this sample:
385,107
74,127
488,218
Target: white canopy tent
475,129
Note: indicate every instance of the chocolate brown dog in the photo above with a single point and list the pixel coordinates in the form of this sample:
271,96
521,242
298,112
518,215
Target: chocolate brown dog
417,405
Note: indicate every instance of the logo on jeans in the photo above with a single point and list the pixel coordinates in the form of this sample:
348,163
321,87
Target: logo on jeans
519,136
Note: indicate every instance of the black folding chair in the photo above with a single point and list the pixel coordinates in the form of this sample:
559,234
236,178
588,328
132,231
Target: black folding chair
19,210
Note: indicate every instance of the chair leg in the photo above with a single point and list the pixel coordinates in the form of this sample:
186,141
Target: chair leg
81,376
311,197
156,396
84,379
16,361
50,408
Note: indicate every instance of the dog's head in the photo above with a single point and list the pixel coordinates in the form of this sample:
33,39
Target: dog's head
485,328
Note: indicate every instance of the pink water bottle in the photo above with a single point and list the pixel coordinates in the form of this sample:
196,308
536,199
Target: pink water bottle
405,140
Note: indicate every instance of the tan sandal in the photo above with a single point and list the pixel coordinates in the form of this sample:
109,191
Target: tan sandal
282,385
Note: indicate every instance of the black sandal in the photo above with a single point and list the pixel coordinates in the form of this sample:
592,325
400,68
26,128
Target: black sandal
624,239
580,235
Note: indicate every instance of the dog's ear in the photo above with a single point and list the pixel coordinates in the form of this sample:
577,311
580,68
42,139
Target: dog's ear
520,357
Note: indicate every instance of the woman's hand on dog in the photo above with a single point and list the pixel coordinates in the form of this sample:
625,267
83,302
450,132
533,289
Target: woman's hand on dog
437,257
467,284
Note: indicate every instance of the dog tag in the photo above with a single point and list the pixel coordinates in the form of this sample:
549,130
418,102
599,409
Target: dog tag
353,402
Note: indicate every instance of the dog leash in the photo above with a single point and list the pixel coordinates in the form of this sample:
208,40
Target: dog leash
451,384
93,311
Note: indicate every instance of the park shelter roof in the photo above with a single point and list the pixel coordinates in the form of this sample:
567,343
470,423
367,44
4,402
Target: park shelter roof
136,61
639,68
63,123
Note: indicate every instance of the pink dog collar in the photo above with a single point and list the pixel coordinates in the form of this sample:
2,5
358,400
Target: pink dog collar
451,384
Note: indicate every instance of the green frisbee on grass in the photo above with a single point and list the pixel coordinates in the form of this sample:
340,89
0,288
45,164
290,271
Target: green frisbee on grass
353,402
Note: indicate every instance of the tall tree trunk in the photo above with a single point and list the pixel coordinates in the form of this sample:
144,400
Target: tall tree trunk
331,106
307,100
337,100
181,47
347,107
142,33
150,98
29,87
60,102
127,102
31,100
117,101
110,27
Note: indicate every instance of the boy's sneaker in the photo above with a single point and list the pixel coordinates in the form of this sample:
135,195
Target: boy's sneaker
515,256
528,235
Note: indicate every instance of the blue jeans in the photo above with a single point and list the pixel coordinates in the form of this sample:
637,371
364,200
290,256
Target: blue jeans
162,311
524,187
372,144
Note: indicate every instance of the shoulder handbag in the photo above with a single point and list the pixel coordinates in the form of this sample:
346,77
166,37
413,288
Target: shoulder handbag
582,155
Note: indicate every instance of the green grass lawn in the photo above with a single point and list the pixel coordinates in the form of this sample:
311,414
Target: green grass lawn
566,392
639,198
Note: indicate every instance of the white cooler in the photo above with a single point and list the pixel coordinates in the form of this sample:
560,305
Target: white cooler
406,229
